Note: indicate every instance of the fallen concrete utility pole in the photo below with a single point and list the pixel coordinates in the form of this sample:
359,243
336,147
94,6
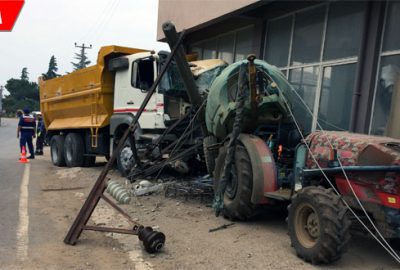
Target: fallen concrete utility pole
153,241
191,89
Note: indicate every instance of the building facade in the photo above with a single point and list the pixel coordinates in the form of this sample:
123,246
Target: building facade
342,57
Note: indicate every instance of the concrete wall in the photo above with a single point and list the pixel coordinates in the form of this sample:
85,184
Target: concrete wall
186,14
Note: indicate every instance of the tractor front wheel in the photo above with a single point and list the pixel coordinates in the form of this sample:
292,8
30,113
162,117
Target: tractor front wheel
318,225
237,195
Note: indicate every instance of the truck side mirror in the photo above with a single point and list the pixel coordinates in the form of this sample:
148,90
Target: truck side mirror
143,73
120,63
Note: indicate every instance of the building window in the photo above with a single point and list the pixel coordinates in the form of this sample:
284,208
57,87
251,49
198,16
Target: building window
304,81
344,30
318,49
230,47
336,97
244,43
226,45
210,49
386,115
307,37
279,34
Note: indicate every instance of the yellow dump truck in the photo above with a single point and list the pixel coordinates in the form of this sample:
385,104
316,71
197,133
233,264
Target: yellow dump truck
87,111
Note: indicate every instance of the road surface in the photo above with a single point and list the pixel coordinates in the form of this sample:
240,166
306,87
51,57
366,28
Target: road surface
38,203
34,221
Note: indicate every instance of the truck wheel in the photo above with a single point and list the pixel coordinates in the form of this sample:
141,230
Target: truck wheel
318,225
89,161
237,196
125,158
210,155
74,150
57,150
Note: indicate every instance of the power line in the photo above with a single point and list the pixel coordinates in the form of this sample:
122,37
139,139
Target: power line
93,29
103,25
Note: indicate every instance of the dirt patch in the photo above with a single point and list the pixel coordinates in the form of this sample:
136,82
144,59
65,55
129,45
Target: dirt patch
258,244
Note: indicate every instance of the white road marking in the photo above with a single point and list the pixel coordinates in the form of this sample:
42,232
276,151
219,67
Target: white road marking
23,223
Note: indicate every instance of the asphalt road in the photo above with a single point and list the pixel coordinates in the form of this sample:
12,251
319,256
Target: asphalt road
33,222
11,173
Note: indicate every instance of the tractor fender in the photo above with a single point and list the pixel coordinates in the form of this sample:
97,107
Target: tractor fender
263,167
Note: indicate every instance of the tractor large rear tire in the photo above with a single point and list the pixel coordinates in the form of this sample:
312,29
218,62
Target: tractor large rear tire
237,196
318,225
57,150
74,150
210,155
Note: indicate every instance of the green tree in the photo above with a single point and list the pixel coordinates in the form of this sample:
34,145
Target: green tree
83,60
24,74
23,94
52,71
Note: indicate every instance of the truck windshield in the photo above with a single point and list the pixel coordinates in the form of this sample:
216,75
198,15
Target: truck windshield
172,84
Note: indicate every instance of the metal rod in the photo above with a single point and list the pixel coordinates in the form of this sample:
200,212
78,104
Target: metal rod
167,131
109,229
99,187
338,170
119,209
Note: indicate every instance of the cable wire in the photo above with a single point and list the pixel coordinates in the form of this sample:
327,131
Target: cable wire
387,247
99,20
191,124
347,179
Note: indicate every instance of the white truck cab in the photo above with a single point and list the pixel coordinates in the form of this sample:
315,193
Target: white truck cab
131,87
134,76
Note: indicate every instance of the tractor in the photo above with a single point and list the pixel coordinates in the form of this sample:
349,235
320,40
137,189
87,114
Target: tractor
321,176
259,155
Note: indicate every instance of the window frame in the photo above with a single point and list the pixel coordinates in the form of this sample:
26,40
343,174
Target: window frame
200,44
381,54
322,64
135,68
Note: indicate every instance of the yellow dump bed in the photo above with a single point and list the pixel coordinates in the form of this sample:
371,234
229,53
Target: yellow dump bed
83,98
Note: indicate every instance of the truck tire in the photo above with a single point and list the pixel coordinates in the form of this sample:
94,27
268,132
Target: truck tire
89,161
57,150
318,225
237,196
125,158
210,155
74,150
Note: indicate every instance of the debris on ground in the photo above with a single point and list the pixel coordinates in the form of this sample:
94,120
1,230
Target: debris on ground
146,187
222,227
200,189
118,192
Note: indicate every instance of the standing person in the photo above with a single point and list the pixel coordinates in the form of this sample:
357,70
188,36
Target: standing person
41,133
20,113
26,131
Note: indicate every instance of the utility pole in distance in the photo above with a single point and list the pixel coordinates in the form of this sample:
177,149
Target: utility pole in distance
83,46
83,61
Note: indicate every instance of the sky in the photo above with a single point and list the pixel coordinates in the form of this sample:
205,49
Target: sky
51,27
